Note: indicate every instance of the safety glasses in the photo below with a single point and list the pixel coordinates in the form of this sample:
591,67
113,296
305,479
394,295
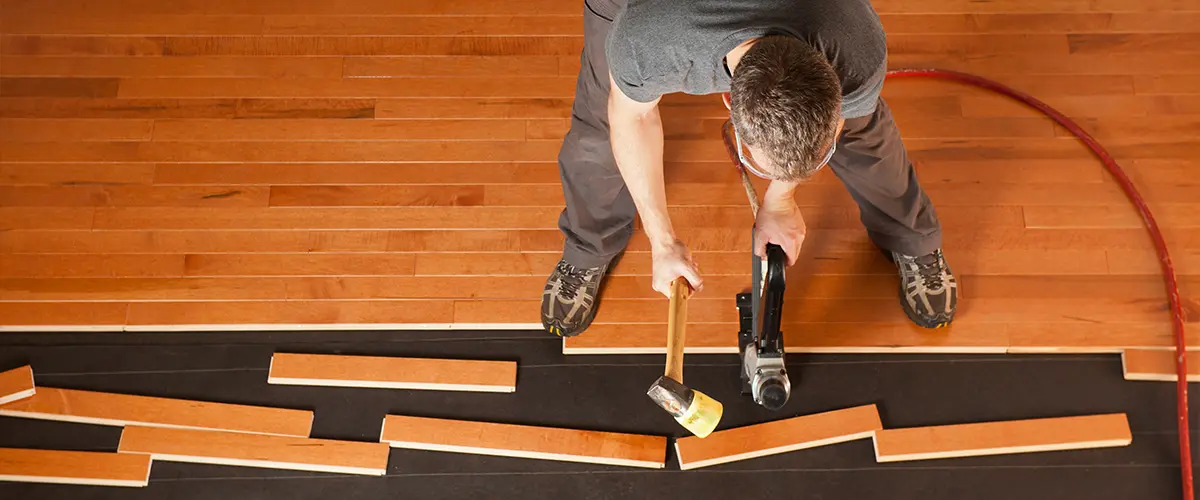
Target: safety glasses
746,160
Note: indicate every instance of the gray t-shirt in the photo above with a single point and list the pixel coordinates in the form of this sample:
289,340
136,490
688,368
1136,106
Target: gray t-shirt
658,47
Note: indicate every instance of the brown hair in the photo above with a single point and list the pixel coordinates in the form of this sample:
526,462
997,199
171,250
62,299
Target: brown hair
786,100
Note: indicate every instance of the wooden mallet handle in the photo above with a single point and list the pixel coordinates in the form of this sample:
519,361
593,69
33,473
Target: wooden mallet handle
681,290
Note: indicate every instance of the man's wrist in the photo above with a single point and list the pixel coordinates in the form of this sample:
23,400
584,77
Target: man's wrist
779,191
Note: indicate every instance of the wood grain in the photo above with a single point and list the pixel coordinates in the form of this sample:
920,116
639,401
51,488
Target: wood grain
16,384
1002,437
74,467
778,436
393,372
524,441
114,409
255,450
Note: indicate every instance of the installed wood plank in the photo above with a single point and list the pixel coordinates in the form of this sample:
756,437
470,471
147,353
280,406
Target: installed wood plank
852,337
482,108
16,384
305,108
562,87
325,314
1078,22
299,7
113,409
1112,338
811,261
334,130
477,66
175,66
365,196
184,241
86,266
81,45
73,467
45,218
125,288
524,441
255,450
130,23
298,45
75,107
1140,43
299,264
134,196
13,174
1167,215
839,310
75,130
382,372
27,316
501,24
1002,437
1167,84
58,87
322,218
779,436
1157,365
274,152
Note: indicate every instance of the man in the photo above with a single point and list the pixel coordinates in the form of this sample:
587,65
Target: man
802,80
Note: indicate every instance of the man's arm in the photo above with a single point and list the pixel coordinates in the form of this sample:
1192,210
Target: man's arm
636,134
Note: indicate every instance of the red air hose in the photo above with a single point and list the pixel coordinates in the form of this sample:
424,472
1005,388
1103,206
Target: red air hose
1185,454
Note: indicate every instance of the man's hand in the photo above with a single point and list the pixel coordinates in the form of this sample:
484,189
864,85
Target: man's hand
780,222
672,260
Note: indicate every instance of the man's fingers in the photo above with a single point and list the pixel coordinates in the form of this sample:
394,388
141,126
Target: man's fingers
693,277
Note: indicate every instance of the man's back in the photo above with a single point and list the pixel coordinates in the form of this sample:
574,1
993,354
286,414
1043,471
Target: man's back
663,46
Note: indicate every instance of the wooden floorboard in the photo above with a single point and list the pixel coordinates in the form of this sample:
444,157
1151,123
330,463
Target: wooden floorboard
210,164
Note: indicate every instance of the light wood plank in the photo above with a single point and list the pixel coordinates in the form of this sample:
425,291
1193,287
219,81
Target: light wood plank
16,384
524,441
500,24
45,218
255,450
300,264
75,130
509,87
113,409
174,66
74,467
134,196
51,316
295,7
142,289
778,436
325,314
1003,437
462,66
88,266
78,107
334,130
129,23
1182,215
1157,365
199,241
393,372
14,174
81,45
377,196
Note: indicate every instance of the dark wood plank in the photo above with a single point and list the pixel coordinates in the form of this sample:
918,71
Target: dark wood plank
337,130
54,107
35,45
325,196
458,66
372,46
133,196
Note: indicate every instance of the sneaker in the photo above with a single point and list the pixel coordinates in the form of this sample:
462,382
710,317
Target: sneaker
569,299
928,290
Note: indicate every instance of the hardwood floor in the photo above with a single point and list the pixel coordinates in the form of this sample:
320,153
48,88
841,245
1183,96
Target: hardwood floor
308,164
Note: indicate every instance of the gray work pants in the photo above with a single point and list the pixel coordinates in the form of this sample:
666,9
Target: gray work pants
598,220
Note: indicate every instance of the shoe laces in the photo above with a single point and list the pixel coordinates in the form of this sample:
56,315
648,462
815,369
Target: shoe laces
572,280
929,269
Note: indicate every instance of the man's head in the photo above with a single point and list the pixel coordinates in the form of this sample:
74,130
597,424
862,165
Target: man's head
786,106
